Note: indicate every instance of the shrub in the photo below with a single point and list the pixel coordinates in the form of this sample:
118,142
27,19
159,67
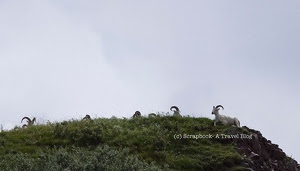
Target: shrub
76,159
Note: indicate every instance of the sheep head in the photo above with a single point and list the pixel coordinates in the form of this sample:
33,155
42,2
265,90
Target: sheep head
29,121
137,114
176,111
87,117
174,107
216,109
152,115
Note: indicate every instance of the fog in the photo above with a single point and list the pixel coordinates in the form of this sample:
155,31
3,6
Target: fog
62,60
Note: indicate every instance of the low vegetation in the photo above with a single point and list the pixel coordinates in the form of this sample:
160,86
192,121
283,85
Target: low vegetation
118,144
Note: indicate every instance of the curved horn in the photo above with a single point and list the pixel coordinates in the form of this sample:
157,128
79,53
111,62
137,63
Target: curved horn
33,120
28,119
220,106
23,126
174,107
137,114
88,117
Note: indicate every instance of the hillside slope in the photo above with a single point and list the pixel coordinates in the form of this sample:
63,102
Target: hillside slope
160,143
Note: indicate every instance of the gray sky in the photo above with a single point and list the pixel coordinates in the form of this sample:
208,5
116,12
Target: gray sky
61,60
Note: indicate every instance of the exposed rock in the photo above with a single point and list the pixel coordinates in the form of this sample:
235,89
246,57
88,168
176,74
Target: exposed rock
261,154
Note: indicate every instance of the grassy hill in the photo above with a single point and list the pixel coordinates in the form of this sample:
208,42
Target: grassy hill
120,144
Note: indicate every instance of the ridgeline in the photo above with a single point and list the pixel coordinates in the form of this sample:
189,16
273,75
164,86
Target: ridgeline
158,143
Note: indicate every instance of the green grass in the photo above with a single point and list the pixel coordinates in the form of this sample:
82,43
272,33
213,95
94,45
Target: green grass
149,142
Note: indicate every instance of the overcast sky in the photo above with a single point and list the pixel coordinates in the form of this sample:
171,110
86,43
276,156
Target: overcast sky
64,59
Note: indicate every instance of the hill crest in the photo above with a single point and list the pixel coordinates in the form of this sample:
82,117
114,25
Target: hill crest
141,143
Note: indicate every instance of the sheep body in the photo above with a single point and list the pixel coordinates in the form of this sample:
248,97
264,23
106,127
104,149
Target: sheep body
226,120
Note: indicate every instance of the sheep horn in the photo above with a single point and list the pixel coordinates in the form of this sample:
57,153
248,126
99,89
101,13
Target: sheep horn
220,106
152,115
87,117
174,107
137,113
28,119
33,120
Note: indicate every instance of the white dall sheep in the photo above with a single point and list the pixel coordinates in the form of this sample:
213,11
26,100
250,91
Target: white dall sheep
29,121
87,117
176,111
152,115
226,120
137,114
